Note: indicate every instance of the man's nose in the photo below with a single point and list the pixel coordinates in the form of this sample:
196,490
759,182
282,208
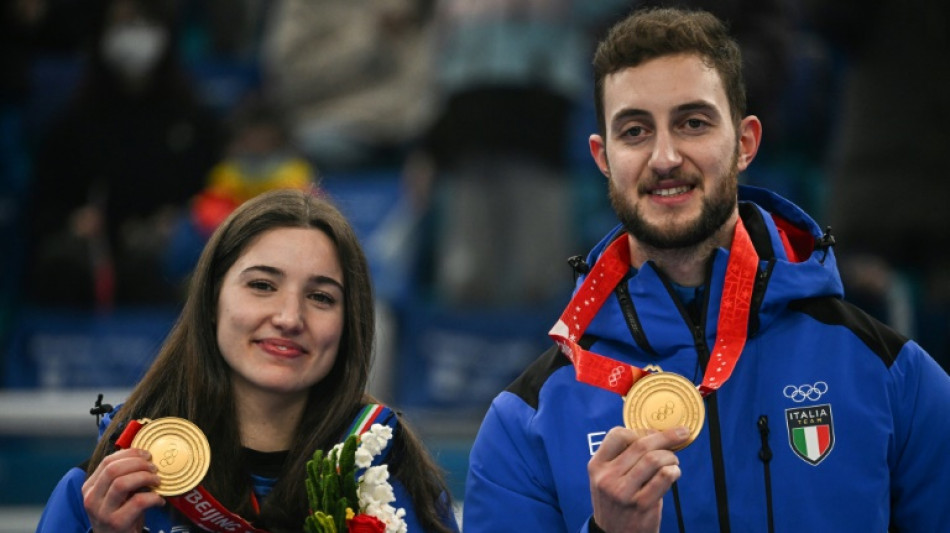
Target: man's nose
665,156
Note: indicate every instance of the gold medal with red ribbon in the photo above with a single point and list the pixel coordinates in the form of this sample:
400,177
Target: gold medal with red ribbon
182,455
179,450
659,400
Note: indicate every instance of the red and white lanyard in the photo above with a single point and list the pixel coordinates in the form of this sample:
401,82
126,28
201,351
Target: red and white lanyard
610,269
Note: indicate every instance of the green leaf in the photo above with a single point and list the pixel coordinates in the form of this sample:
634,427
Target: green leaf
340,514
348,472
312,497
326,522
330,491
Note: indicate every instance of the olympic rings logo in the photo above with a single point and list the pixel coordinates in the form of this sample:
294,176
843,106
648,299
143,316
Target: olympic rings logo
615,375
169,458
664,411
805,392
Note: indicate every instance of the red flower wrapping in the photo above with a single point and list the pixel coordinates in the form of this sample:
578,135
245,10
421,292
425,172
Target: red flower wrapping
364,523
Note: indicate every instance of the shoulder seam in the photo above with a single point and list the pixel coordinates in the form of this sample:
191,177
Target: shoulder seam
881,339
528,385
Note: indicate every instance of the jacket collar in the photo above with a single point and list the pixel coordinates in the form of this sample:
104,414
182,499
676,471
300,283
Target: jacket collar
792,266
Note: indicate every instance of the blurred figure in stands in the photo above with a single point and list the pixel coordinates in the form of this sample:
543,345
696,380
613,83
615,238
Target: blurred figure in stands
511,77
508,74
352,78
133,145
888,196
260,156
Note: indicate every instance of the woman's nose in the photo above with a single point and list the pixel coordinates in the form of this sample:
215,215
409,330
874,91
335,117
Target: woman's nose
289,315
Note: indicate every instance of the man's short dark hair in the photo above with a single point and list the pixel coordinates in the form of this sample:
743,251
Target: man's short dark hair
656,32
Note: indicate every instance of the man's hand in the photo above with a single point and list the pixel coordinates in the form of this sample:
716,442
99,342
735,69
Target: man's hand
629,475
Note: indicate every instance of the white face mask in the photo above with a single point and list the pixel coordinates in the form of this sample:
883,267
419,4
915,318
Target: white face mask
133,49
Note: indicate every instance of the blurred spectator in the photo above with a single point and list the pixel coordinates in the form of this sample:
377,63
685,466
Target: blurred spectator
509,74
127,152
223,28
764,29
352,77
887,193
259,157
512,75
18,21
45,26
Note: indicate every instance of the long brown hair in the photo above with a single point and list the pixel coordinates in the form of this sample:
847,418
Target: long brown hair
190,379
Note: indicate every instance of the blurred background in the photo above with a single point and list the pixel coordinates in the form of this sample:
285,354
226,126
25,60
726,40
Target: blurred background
452,133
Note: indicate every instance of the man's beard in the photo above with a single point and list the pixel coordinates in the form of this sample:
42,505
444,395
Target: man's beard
717,207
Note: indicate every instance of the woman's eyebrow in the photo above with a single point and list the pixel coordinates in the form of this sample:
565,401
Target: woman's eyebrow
274,271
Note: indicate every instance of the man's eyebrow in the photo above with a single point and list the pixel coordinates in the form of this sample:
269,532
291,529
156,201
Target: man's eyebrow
698,105
628,113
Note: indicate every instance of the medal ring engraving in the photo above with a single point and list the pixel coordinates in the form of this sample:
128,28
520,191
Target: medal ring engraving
179,450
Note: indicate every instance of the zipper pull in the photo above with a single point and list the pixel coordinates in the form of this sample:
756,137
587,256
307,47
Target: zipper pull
765,453
825,243
578,265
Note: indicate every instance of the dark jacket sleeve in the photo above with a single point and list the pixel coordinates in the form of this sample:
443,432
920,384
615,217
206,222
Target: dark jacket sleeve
64,512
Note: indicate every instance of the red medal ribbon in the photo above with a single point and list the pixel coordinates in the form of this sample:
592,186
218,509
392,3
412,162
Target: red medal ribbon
209,514
731,332
197,504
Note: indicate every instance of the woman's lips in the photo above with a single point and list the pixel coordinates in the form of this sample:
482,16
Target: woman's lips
281,347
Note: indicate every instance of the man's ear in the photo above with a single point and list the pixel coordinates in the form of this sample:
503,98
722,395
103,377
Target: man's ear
598,150
750,137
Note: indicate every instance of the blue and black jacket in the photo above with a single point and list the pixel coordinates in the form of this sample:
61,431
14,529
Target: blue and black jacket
831,421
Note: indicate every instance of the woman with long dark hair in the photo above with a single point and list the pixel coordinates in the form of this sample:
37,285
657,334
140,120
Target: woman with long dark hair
270,359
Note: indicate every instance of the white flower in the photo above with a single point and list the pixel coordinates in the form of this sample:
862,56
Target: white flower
375,475
393,518
379,493
374,487
375,439
363,458
375,493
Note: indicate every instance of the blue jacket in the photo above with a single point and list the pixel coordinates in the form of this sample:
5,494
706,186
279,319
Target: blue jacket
812,364
64,512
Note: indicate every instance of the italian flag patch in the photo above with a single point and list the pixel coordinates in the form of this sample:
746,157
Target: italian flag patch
811,432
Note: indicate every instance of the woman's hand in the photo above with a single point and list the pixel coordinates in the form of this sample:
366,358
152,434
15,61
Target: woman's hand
117,493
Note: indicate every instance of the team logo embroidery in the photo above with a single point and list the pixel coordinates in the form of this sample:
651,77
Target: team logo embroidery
805,392
811,432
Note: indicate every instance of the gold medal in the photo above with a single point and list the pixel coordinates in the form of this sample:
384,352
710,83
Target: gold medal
663,400
180,451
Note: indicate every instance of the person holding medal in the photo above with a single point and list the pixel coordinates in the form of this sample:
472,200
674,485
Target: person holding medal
267,363
707,374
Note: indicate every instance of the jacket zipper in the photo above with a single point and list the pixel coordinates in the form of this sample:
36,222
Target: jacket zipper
679,508
765,454
630,316
712,406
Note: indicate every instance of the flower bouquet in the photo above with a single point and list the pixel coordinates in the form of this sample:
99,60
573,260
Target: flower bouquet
346,494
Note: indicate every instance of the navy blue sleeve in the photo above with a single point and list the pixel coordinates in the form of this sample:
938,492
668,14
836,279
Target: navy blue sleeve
920,471
507,489
64,511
